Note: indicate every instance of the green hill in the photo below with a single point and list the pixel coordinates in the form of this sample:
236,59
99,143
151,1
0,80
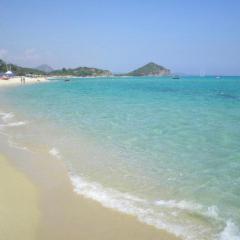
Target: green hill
150,69
17,70
81,72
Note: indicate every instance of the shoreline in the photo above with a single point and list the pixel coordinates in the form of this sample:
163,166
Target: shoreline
83,176
17,81
65,214
85,180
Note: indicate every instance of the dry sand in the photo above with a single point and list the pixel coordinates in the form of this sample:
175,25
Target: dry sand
17,81
19,213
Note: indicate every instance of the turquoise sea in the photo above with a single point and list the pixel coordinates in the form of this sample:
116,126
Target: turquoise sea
166,151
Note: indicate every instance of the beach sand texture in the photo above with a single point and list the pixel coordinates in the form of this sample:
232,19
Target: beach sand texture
19,214
17,80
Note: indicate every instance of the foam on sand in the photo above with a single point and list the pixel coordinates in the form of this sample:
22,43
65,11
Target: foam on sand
7,116
146,211
13,124
6,119
55,152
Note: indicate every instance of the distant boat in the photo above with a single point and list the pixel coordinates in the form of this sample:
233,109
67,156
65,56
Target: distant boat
175,77
218,77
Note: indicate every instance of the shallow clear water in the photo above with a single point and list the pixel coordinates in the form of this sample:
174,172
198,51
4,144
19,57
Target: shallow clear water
167,151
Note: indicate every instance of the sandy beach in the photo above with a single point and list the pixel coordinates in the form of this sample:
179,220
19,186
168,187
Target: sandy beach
20,214
17,80
38,202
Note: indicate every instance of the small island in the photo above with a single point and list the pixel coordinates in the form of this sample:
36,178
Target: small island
150,69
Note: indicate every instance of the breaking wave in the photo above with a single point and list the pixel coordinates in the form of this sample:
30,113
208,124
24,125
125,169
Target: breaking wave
158,213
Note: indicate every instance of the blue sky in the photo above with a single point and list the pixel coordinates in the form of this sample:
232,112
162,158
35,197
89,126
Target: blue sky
186,36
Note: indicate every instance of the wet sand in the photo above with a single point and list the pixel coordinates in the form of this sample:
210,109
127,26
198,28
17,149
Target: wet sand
64,214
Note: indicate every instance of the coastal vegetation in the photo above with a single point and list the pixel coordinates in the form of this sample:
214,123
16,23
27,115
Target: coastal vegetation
81,72
17,70
47,70
150,69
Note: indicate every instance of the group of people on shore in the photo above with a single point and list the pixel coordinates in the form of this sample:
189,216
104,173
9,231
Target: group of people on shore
23,81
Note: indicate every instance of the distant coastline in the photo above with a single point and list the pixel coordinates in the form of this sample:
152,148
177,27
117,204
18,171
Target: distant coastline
150,69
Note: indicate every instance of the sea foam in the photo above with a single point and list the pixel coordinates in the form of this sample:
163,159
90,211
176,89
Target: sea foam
7,116
13,124
184,205
16,124
145,210
122,202
230,232
55,152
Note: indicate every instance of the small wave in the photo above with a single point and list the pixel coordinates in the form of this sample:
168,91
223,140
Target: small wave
7,116
211,211
55,152
230,232
122,202
145,210
16,124
13,124
184,205
15,145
